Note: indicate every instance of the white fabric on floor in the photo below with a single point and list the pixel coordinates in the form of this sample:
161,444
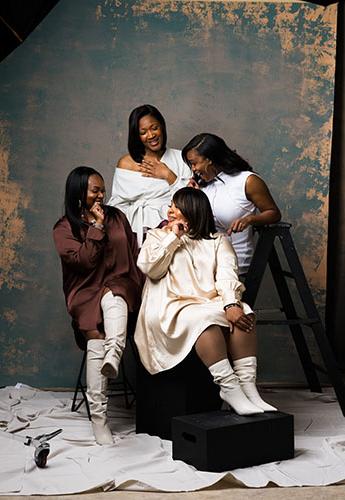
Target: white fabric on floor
143,462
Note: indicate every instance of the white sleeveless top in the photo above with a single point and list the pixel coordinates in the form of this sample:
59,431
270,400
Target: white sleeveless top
145,200
228,200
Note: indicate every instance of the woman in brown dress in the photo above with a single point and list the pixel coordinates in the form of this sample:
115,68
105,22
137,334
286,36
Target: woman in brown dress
101,282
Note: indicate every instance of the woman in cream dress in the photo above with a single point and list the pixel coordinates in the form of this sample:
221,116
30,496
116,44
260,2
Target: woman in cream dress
146,178
192,291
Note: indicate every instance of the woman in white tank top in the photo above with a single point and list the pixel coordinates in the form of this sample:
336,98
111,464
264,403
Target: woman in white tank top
239,198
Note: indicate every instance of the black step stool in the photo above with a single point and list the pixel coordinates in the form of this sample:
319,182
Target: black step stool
266,252
221,440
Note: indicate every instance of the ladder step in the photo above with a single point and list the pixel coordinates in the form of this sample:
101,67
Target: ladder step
297,321
267,310
320,368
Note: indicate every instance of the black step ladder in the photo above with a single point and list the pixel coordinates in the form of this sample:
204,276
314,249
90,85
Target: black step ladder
266,252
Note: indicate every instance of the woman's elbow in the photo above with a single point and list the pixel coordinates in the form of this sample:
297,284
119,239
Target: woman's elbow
87,265
80,264
156,275
152,273
277,215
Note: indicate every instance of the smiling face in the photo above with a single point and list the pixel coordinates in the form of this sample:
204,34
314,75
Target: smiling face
175,214
201,165
150,133
95,190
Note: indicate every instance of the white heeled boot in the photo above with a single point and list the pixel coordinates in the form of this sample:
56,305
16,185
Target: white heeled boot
115,313
230,389
96,391
245,369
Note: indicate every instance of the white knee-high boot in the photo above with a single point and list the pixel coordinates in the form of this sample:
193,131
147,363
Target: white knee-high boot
96,391
245,369
115,313
230,389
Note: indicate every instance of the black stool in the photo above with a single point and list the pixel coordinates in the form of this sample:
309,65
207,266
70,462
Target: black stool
187,388
123,387
266,253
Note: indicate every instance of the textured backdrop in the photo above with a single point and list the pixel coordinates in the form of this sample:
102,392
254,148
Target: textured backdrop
260,74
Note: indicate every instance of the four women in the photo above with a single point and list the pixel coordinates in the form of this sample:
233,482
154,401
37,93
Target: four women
190,265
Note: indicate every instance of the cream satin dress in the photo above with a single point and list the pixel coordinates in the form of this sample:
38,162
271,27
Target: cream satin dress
188,283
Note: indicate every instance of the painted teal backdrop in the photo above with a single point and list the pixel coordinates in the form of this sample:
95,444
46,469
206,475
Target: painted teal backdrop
259,74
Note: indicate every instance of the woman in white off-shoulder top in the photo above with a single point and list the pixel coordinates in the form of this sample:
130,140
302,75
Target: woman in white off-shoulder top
146,178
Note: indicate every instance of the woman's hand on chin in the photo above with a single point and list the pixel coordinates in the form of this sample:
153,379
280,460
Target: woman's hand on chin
97,212
178,227
193,184
152,167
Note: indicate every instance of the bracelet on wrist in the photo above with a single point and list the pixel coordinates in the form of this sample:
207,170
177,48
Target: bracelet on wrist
233,304
97,225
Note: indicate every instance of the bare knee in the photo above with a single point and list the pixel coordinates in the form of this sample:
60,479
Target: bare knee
211,345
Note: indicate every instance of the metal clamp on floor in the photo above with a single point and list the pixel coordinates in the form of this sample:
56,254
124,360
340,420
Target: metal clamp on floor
40,443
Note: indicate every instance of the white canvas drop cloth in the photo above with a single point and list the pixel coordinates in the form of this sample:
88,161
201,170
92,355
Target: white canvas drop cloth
139,461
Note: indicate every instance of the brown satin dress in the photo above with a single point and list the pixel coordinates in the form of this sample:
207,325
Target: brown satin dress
101,259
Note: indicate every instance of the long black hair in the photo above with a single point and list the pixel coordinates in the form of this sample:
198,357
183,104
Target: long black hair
215,149
135,147
196,208
75,196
